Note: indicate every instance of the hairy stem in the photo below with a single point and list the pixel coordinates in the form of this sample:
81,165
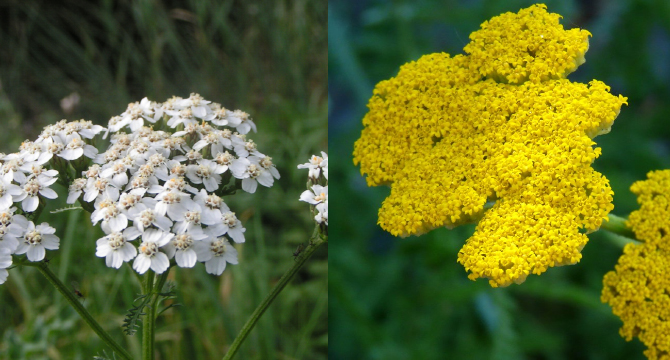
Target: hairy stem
76,304
314,243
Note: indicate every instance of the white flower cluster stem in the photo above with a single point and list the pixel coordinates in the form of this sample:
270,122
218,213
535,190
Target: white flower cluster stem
317,194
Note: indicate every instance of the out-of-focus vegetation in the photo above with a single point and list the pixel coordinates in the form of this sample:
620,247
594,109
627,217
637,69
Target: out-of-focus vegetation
267,58
409,298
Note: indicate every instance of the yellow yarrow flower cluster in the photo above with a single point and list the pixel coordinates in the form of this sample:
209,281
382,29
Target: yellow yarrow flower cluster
639,288
500,125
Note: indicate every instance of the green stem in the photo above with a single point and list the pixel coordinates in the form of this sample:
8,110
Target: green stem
314,243
617,225
153,287
76,304
148,320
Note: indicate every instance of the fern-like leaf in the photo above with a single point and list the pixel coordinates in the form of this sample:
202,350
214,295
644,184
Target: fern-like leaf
132,321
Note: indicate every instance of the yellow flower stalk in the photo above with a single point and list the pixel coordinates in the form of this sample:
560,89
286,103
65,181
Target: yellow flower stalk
499,125
638,290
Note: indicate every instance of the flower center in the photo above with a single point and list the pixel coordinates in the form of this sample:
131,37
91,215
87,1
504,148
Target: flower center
213,201
33,238
224,158
230,219
192,217
147,217
31,187
253,170
183,241
203,171
149,248
116,240
218,247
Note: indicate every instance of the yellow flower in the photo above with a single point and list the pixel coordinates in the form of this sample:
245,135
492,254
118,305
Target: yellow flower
502,126
638,290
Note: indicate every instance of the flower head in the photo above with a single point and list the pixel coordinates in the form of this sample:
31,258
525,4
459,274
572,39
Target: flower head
499,126
637,289
36,239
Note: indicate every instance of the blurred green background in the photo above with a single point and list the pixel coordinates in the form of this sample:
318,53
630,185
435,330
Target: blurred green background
409,298
265,57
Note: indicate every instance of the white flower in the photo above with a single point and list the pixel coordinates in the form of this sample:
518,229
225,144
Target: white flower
132,204
252,173
87,130
149,254
76,147
110,214
75,190
36,239
215,253
12,227
322,216
116,173
149,217
217,139
29,194
316,165
8,190
174,203
97,189
196,104
186,255
34,170
244,148
317,195
205,172
241,121
115,248
184,116
234,227
212,207
5,262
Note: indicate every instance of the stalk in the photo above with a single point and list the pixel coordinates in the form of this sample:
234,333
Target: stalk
76,304
314,243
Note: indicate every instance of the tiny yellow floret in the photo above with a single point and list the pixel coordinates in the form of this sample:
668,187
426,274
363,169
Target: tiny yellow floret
500,125
638,290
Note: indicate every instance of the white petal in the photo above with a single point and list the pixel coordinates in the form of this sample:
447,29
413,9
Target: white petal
48,193
73,196
3,276
249,185
50,242
160,263
141,263
215,265
30,203
186,258
36,253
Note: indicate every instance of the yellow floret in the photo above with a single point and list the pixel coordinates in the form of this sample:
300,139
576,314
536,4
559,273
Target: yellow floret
451,134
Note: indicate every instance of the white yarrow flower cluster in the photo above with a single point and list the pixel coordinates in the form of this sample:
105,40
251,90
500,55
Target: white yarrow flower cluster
317,194
166,186
26,178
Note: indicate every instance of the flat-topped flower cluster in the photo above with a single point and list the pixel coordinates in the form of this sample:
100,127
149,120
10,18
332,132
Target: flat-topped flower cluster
162,179
498,126
638,290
